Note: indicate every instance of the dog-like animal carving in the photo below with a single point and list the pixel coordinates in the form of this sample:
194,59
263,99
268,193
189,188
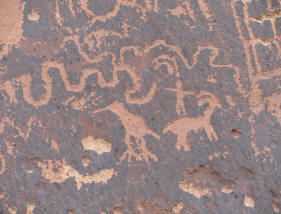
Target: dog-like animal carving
183,126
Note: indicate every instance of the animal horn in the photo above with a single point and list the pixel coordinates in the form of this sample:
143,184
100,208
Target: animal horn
206,96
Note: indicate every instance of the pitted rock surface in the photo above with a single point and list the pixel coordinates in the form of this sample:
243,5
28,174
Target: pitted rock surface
140,106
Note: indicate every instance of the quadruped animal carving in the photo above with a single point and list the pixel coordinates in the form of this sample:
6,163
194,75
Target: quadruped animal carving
182,126
135,128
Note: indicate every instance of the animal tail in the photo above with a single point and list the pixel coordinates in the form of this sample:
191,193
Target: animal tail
154,134
166,128
99,110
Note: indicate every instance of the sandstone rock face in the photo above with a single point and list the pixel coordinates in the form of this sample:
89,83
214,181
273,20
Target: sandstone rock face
139,107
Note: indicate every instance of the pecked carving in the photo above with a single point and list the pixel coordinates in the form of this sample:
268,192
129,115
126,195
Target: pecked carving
135,127
182,126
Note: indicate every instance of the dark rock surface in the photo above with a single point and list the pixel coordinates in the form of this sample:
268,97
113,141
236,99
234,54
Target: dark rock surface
140,106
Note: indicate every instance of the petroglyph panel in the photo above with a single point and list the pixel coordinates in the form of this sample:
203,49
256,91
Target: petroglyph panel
140,106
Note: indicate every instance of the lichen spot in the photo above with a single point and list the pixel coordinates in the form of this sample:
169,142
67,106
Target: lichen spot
226,190
33,16
98,145
249,202
178,208
195,190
